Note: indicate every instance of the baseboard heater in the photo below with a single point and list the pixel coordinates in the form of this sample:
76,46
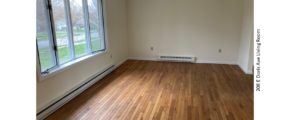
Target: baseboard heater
177,58
73,93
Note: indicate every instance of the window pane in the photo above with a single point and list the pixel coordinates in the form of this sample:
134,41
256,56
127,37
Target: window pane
45,51
78,25
96,25
59,17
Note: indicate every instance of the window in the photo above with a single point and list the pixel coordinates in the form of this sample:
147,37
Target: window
68,30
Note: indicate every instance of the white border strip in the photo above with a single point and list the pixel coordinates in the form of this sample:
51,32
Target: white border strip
198,61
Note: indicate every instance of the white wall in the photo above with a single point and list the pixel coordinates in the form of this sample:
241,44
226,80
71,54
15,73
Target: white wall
246,59
55,87
185,27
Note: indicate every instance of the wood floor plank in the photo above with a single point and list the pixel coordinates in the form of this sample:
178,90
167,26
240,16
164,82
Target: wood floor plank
148,90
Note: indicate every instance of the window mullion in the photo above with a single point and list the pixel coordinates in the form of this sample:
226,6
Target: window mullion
101,20
52,37
70,29
87,27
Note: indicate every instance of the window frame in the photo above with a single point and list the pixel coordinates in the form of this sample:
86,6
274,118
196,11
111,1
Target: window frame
52,38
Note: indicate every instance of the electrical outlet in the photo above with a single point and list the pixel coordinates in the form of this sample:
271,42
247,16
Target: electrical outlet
220,50
151,48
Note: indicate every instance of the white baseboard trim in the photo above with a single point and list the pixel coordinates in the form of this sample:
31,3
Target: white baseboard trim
198,61
217,62
120,63
249,71
56,104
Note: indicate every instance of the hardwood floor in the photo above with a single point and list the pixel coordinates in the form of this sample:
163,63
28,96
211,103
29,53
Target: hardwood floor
165,91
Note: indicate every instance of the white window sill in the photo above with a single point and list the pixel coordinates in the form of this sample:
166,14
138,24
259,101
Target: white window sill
67,65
